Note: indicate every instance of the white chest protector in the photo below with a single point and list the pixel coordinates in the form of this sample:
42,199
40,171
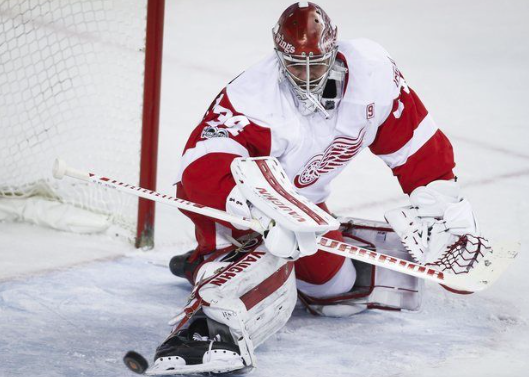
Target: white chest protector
313,150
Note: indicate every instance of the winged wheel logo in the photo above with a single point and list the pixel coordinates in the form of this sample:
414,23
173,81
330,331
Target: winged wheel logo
339,153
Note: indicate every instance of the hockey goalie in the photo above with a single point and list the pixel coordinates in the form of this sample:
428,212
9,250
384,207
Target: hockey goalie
268,149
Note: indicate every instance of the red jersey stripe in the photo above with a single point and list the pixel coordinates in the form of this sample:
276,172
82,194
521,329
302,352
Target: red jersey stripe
407,113
433,161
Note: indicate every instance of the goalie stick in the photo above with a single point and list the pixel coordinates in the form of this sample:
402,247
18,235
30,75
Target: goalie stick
479,276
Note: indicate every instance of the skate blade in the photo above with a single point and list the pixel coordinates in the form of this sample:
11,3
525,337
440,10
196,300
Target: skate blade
176,368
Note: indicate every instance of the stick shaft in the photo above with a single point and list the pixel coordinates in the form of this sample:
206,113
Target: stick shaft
326,244
382,260
161,198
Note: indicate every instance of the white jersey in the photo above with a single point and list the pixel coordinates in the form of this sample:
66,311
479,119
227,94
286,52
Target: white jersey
313,150
257,115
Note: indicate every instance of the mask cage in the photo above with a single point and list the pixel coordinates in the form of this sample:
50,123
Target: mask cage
308,91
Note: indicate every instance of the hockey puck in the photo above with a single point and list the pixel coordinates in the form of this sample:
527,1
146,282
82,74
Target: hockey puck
135,362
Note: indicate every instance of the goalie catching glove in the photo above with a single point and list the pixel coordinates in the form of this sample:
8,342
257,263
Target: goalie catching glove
291,223
439,227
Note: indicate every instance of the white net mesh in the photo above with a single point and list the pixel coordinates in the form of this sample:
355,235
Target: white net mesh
71,86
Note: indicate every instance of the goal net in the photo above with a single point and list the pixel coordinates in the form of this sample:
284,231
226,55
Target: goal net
71,86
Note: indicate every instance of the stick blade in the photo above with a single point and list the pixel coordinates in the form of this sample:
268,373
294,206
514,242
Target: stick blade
489,269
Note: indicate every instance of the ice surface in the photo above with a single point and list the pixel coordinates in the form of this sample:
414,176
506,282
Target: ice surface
468,62
81,321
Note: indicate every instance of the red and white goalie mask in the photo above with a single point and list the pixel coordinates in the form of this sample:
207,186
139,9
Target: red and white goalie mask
305,43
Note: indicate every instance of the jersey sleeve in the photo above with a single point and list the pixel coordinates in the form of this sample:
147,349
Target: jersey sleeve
410,142
222,135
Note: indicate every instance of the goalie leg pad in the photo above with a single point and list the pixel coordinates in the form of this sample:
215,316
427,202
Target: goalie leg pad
255,295
387,289
244,302
375,287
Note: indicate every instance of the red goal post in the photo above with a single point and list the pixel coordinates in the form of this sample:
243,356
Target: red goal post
151,119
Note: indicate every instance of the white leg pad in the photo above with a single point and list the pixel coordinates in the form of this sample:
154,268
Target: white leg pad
254,297
375,287
389,288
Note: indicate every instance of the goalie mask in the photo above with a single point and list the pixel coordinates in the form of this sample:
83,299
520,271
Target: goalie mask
305,44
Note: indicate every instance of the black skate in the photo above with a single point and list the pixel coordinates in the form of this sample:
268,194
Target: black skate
206,347
181,266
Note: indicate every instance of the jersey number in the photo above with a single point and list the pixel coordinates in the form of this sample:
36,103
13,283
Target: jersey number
234,124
